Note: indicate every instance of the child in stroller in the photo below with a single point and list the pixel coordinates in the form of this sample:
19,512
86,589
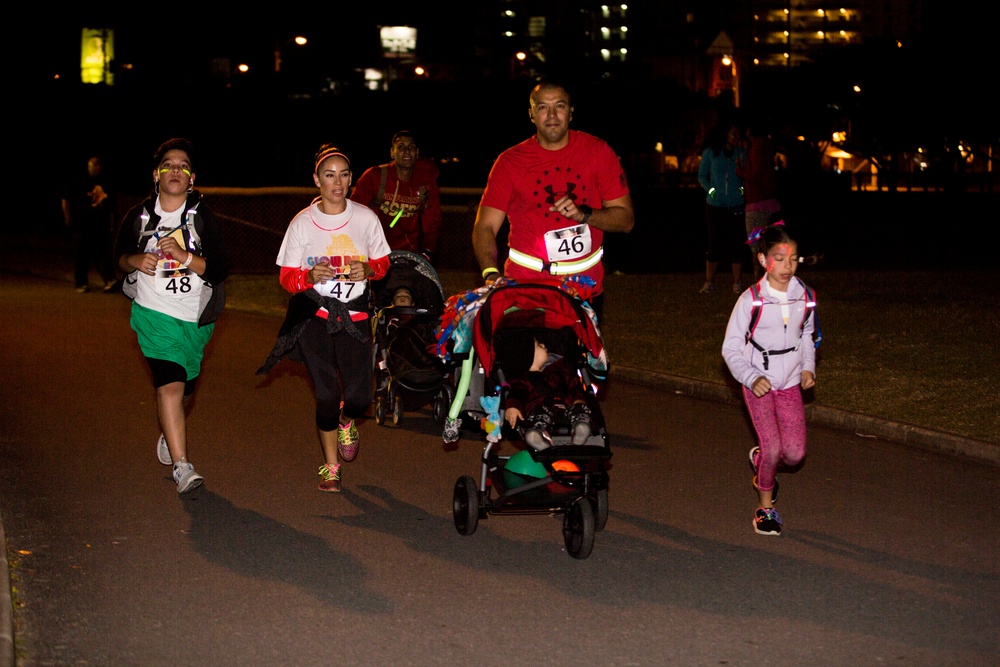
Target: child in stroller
402,297
409,301
543,389
565,469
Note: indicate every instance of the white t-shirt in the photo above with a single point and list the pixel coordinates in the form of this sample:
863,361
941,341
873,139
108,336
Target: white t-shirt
174,290
313,237
781,298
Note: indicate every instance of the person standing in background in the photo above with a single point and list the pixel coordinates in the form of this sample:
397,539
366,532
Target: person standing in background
761,193
89,209
404,194
724,204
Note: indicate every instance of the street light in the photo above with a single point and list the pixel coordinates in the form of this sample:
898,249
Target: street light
299,40
518,57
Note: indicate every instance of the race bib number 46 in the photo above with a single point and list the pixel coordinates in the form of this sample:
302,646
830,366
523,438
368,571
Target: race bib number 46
568,243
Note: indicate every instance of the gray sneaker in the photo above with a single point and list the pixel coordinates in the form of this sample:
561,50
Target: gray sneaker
185,476
537,439
162,451
581,432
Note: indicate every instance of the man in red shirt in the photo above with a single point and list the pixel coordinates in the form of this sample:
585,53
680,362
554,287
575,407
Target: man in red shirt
561,190
404,194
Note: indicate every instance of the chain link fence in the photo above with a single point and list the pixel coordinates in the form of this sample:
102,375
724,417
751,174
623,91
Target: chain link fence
254,221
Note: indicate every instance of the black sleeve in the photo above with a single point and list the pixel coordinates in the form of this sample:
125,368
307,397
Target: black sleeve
213,248
126,241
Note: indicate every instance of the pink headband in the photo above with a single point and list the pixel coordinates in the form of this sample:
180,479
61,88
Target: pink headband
330,152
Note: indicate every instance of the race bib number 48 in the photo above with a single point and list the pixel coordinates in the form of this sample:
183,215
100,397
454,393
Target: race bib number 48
175,280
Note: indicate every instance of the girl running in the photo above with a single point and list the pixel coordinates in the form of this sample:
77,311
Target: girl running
769,350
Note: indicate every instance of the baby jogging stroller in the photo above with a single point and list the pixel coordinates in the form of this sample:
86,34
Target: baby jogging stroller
407,372
565,478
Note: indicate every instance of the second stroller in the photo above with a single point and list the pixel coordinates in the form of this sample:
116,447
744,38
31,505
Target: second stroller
407,372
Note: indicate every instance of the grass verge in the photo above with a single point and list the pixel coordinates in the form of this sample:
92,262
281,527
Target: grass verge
917,347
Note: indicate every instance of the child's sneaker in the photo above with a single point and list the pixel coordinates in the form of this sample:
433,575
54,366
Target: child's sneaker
331,477
348,441
766,521
163,451
581,432
579,414
185,476
452,430
537,439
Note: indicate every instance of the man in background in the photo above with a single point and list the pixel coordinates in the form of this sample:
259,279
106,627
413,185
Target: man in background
404,194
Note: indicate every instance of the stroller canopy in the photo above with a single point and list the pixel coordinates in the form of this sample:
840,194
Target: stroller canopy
535,305
413,271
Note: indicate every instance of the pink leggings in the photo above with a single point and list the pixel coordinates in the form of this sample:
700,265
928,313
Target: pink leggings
780,421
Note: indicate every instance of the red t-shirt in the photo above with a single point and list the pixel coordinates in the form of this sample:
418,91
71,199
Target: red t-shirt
525,182
417,203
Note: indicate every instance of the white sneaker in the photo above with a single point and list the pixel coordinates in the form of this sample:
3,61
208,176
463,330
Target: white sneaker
537,439
163,451
581,433
185,476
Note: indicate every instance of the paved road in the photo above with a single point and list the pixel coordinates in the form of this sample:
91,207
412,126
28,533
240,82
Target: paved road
889,552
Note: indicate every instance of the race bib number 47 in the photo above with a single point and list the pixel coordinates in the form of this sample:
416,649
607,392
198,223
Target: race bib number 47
341,290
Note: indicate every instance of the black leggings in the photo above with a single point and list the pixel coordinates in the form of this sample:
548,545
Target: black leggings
167,372
340,367
726,234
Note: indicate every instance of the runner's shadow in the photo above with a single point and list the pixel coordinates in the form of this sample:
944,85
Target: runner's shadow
428,533
259,547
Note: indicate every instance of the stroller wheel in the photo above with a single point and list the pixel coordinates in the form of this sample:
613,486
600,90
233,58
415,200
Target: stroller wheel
465,505
601,510
441,406
397,410
578,528
380,410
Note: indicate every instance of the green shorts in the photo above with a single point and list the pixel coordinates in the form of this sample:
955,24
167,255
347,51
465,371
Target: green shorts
164,337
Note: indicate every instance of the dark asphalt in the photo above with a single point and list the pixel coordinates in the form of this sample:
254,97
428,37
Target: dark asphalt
889,551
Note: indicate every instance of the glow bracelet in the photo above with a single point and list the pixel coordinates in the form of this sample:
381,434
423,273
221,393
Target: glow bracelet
394,220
